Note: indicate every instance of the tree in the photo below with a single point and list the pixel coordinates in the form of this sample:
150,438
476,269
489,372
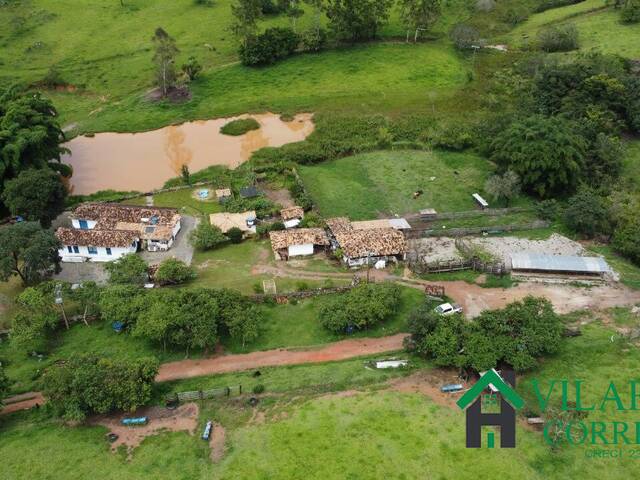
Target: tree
274,44
357,20
121,303
464,36
4,384
165,60
128,269
630,11
417,15
174,272
30,136
246,14
206,236
192,68
240,317
517,335
34,321
545,152
503,188
587,214
87,384
28,251
36,195
362,307
235,235
88,297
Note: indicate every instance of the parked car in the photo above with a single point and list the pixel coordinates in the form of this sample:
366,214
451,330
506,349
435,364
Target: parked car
448,309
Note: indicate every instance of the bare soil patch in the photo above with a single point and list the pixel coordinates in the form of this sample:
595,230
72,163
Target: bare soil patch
428,383
504,247
22,402
217,442
183,418
281,197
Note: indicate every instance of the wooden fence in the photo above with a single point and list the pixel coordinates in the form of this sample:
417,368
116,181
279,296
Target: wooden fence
487,212
461,232
204,394
316,292
423,268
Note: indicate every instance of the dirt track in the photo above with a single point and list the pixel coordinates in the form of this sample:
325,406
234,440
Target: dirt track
24,401
232,363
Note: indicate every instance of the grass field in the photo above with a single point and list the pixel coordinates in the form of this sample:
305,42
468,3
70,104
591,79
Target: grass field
377,184
373,434
600,29
104,52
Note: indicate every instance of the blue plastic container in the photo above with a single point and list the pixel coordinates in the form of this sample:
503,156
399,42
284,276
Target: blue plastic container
135,421
451,388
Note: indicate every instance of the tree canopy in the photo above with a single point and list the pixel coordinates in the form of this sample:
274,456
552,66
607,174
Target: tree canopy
128,269
86,384
36,195
28,251
35,320
518,335
357,20
545,152
361,308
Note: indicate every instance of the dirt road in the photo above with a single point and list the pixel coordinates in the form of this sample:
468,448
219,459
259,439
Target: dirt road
24,401
342,350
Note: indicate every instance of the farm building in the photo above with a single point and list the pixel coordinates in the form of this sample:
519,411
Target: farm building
530,263
297,243
245,221
223,194
372,245
249,192
102,232
292,216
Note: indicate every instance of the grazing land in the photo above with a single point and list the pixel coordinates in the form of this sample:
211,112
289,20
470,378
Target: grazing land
379,184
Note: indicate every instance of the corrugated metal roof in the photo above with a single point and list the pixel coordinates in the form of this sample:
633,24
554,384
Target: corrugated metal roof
399,224
559,263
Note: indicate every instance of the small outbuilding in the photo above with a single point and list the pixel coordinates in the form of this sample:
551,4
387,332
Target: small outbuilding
249,192
298,243
223,194
245,221
291,217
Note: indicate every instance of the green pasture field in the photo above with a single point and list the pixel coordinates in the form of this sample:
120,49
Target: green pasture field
373,433
378,184
599,28
104,51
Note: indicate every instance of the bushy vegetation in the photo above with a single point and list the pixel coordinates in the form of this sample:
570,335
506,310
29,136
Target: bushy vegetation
269,47
363,307
87,384
130,269
206,236
561,38
518,335
240,126
174,272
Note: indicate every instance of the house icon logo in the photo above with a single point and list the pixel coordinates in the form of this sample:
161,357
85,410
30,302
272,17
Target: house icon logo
503,386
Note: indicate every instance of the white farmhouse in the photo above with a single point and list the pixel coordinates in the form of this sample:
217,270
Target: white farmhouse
103,232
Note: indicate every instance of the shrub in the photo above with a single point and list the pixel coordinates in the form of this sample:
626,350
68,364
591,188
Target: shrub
464,36
515,14
235,235
258,389
240,126
452,136
274,44
587,214
174,272
312,220
559,38
264,229
363,307
128,269
302,286
630,12
314,40
206,236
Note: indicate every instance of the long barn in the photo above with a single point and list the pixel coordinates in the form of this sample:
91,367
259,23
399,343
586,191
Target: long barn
532,263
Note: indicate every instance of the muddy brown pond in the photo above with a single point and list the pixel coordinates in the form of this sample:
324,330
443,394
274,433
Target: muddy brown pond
144,161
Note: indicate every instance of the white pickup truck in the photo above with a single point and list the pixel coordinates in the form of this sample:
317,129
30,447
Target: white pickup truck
448,309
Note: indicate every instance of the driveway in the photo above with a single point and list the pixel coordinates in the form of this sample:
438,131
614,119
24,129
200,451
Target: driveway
182,249
82,272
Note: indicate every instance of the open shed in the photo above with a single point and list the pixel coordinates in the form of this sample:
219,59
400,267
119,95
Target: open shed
559,264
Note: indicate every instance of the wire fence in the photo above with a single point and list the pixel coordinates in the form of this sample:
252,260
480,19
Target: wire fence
204,394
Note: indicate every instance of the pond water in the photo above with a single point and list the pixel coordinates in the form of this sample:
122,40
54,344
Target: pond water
144,161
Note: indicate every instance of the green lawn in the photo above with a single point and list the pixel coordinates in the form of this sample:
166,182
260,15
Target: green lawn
182,199
378,184
629,273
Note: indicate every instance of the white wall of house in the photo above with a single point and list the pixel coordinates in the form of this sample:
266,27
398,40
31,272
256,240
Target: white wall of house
91,224
84,255
300,250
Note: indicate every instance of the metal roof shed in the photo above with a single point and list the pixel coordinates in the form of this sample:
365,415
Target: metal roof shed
559,264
